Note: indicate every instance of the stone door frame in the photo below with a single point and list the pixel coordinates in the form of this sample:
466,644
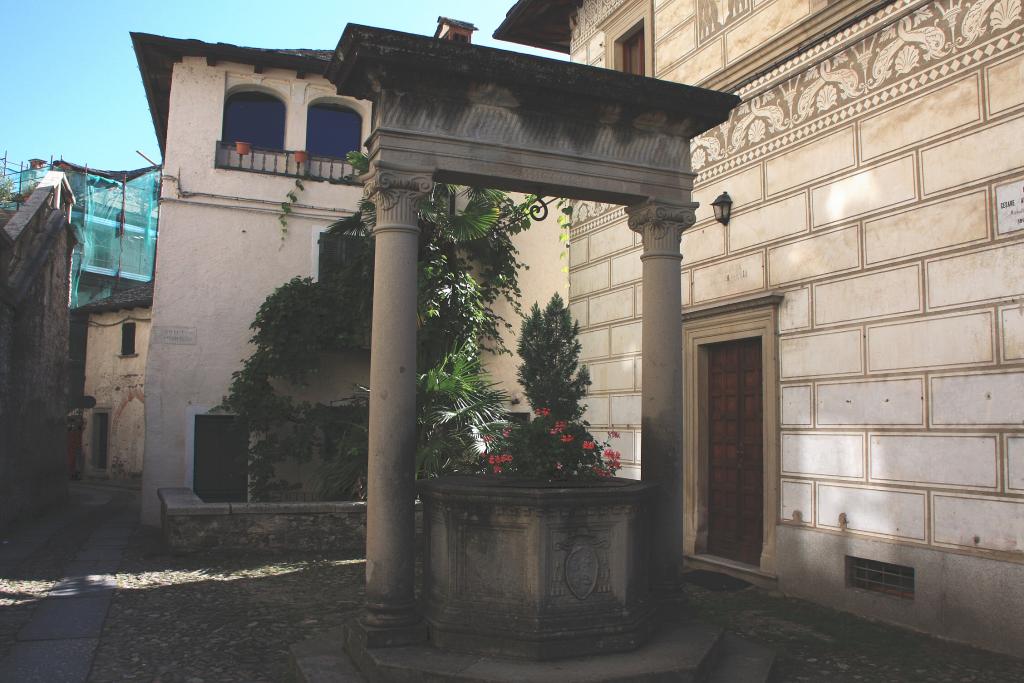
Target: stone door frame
731,321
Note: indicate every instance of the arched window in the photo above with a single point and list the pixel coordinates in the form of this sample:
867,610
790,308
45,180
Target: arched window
256,118
333,131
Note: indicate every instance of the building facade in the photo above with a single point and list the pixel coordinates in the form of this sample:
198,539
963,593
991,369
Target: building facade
854,335
225,244
117,341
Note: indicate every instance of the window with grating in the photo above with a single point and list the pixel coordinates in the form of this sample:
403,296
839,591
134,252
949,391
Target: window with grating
880,577
336,252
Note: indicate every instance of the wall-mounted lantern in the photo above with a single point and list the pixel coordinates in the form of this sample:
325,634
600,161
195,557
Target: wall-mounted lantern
723,208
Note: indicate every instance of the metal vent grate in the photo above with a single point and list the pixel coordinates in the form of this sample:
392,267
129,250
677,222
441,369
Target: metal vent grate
880,577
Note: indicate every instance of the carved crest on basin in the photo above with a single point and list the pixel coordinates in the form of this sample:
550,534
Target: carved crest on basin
583,567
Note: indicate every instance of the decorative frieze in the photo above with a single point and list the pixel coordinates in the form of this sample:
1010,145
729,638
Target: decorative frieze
932,42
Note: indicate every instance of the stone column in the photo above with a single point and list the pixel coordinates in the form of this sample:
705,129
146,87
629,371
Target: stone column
661,225
390,515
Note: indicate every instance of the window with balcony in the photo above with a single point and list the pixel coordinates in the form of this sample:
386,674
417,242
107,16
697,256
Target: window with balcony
256,118
333,131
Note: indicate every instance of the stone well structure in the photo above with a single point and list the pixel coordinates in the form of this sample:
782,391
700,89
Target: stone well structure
466,114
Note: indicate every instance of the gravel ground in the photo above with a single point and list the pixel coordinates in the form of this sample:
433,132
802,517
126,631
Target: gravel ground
218,618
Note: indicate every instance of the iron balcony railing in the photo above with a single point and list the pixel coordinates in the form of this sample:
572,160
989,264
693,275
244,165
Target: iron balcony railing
281,162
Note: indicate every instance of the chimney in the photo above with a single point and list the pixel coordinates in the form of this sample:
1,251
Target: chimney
36,163
454,30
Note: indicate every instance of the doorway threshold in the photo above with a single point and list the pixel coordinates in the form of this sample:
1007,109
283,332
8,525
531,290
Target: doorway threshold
739,570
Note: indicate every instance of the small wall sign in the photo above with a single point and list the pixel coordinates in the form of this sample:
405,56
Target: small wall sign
1010,207
182,336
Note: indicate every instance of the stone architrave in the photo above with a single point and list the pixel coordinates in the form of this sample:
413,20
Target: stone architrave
391,480
661,226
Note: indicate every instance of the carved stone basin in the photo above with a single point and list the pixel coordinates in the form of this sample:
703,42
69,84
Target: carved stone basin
538,571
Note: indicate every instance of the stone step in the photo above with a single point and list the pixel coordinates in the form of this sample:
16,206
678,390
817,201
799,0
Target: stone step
679,653
741,661
322,660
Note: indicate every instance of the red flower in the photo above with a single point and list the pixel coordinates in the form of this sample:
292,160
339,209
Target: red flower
497,469
567,438
614,435
488,438
506,432
589,445
542,412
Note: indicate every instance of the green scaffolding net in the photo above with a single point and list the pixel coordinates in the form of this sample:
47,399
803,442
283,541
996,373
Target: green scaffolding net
114,220
115,223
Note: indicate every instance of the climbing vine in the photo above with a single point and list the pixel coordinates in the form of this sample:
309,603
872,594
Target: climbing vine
467,262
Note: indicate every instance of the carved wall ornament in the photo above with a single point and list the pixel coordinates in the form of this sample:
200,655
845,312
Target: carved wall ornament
583,565
932,42
715,15
588,16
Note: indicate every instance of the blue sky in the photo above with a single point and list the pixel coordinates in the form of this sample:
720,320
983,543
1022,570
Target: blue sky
72,87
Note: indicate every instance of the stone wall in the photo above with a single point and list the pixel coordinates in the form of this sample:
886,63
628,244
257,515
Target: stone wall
864,172
34,267
189,525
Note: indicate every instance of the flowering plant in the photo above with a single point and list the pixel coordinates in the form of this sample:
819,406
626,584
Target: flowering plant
549,448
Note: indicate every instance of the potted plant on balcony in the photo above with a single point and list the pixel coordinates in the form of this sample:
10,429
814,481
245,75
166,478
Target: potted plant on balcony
301,156
243,148
543,554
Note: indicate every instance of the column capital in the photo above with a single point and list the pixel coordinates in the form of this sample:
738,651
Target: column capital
661,225
396,193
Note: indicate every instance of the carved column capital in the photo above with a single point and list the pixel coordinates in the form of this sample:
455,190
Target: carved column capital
396,194
661,226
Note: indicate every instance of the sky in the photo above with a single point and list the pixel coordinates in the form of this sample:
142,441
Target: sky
71,86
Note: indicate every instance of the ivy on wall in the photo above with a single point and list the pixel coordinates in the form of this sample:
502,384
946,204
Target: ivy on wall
466,264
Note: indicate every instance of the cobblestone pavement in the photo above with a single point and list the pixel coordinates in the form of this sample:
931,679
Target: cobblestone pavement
815,643
209,618
219,618
55,586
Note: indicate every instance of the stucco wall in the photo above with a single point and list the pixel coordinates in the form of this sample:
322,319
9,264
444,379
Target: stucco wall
118,383
863,173
544,251
222,251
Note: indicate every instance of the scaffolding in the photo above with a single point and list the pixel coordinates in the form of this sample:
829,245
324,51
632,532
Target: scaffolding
114,219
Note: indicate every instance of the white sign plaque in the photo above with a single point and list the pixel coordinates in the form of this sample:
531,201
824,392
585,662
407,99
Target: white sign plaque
183,336
1010,206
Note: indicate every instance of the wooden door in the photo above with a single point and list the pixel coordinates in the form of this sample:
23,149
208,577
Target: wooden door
735,450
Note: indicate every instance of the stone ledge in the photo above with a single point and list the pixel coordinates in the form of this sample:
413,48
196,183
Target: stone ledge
190,524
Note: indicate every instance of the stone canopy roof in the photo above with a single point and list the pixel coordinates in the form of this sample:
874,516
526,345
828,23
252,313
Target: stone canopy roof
366,57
